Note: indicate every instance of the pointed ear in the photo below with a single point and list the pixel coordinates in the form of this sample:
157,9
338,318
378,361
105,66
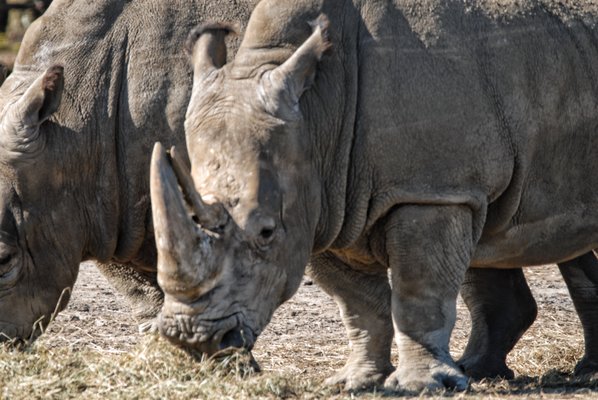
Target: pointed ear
42,98
207,48
20,127
297,74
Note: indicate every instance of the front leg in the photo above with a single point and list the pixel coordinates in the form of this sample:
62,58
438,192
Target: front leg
429,249
140,289
364,303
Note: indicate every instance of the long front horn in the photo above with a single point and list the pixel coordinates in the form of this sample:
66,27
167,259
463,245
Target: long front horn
176,234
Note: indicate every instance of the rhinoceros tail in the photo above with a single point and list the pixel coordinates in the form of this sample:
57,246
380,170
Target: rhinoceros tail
199,30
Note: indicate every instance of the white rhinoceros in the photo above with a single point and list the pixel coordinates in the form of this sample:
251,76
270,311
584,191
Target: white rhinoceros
95,84
436,136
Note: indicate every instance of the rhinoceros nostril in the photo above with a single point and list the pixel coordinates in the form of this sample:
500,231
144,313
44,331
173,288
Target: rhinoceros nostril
233,338
266,233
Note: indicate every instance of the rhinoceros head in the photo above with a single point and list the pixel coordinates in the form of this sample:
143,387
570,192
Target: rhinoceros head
234,236
32,282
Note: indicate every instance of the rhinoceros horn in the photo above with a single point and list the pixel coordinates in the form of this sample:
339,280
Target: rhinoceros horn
176,233
184,265
210,216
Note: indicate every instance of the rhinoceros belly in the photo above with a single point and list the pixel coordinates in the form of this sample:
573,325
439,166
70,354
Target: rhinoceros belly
557,237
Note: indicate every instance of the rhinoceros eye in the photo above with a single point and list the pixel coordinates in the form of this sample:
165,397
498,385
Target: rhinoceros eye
266,234
6,258
8,264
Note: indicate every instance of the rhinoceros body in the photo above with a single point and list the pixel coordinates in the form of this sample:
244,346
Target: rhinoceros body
95,84
434,137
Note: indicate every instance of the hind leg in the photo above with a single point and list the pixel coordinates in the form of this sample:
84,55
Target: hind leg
502,308
364,303
581,277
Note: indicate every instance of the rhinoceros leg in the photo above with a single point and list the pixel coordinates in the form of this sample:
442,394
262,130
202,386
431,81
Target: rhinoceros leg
581,276
141,290
502,308
364,303
429,249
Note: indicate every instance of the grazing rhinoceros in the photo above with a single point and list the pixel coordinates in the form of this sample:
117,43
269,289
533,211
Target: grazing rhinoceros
436,136
75,147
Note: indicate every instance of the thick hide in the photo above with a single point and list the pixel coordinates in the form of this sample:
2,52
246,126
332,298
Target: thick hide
413,139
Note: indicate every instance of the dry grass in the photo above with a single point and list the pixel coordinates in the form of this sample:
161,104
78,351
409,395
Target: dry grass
156,370
153,370
92,352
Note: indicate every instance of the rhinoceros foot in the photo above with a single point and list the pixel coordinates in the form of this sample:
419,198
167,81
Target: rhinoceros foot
478,368
439,376
587,367
357,376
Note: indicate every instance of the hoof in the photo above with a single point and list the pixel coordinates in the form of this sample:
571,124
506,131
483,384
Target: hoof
586,368
356,378
440,377
485,369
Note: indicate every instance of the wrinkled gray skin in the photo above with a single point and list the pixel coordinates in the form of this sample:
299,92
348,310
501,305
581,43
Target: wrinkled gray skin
435,136
95,84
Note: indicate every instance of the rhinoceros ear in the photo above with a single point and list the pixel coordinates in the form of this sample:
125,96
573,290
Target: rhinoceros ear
19,128
207,48
43,97
288,81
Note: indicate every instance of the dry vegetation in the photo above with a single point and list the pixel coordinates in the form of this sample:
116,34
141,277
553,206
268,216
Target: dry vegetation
92,351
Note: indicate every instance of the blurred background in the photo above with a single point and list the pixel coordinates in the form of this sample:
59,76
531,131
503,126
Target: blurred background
15,17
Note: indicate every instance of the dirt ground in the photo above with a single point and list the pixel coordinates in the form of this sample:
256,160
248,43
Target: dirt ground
306,336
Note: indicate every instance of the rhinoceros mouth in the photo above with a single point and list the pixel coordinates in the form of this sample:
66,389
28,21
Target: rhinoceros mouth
17,337
207,336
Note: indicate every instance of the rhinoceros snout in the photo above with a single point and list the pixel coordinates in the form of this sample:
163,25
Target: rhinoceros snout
13,337
193,333
236,338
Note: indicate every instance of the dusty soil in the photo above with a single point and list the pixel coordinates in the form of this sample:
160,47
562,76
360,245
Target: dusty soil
306,336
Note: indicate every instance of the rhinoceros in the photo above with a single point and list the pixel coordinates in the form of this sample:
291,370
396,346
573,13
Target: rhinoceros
436,136
95,84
